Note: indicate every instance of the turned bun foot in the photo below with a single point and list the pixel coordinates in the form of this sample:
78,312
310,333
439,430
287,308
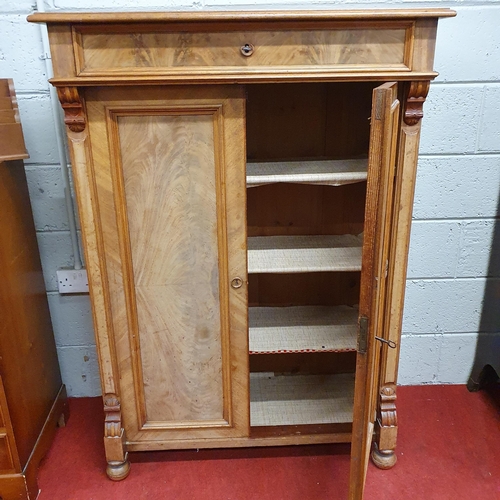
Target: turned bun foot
117,471
383,459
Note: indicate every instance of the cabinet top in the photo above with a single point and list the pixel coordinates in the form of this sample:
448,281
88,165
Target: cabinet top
113,48
294,15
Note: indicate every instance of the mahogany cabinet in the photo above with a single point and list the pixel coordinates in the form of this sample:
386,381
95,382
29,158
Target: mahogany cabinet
245,185
32,397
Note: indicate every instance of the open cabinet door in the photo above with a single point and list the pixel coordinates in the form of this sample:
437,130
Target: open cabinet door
379,197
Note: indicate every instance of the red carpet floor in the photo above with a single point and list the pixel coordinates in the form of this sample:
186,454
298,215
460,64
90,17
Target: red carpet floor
448,449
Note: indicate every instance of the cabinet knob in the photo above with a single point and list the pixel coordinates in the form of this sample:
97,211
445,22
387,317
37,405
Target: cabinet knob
236,282
247,49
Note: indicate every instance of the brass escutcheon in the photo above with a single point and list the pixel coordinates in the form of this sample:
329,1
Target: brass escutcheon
236,282
247,49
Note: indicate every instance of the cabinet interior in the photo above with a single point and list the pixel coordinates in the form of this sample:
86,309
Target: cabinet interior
307,150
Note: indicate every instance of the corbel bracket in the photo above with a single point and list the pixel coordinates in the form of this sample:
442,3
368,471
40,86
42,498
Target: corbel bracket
71,103
415,101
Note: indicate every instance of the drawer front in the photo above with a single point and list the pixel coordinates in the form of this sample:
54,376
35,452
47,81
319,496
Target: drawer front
240,52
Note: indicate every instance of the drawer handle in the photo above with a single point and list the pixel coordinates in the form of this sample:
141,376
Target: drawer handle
247,49
236,282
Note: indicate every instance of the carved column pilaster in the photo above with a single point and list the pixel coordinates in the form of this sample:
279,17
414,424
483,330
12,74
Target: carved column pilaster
414,102
114,438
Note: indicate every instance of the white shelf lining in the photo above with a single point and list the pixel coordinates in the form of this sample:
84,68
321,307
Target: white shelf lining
302,329
325,172
301,254
300,399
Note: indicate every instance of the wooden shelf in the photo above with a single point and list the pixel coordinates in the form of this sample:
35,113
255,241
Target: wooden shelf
300,399
325,172
302,329
303,254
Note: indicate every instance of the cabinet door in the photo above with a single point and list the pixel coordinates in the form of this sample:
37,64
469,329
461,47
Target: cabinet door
169,170
379,198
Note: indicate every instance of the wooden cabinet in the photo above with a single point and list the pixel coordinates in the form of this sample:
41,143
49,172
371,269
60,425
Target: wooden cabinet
245,186
32,397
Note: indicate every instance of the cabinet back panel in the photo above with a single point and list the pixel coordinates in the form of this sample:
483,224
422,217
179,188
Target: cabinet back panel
311,120
304,363
325,289
170,187
288,209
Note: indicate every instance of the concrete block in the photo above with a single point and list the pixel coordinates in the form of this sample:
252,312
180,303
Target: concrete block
55,252
38,128
47,197
457,186
479,253
457,358
120,5
489,131
72,319
79,371
452,305
419,359
20,51
451,119
17,6
433,249
468,46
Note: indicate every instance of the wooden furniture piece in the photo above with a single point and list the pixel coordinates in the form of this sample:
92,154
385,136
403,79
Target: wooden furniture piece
32,398
245,186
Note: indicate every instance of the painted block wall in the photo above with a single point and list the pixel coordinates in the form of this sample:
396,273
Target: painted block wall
456,211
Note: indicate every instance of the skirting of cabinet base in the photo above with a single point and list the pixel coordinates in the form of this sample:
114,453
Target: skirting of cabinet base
259,436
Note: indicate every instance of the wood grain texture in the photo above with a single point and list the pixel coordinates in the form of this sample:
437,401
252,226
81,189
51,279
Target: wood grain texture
319,43
304,289
82,161
292,209
28,358
161,275
23,485
262,436
404,193
306,363
61,51
335,49
30,382
168,166
161,186
381,166
308,121
294,15
409,137
423,45
10,456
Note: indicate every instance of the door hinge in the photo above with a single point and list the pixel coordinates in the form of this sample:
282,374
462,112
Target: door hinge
362,334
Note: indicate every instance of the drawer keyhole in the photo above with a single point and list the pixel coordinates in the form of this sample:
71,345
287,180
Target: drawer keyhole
247,49
236,282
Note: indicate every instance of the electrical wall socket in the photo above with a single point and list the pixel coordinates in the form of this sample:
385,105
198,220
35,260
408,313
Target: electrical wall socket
72,281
